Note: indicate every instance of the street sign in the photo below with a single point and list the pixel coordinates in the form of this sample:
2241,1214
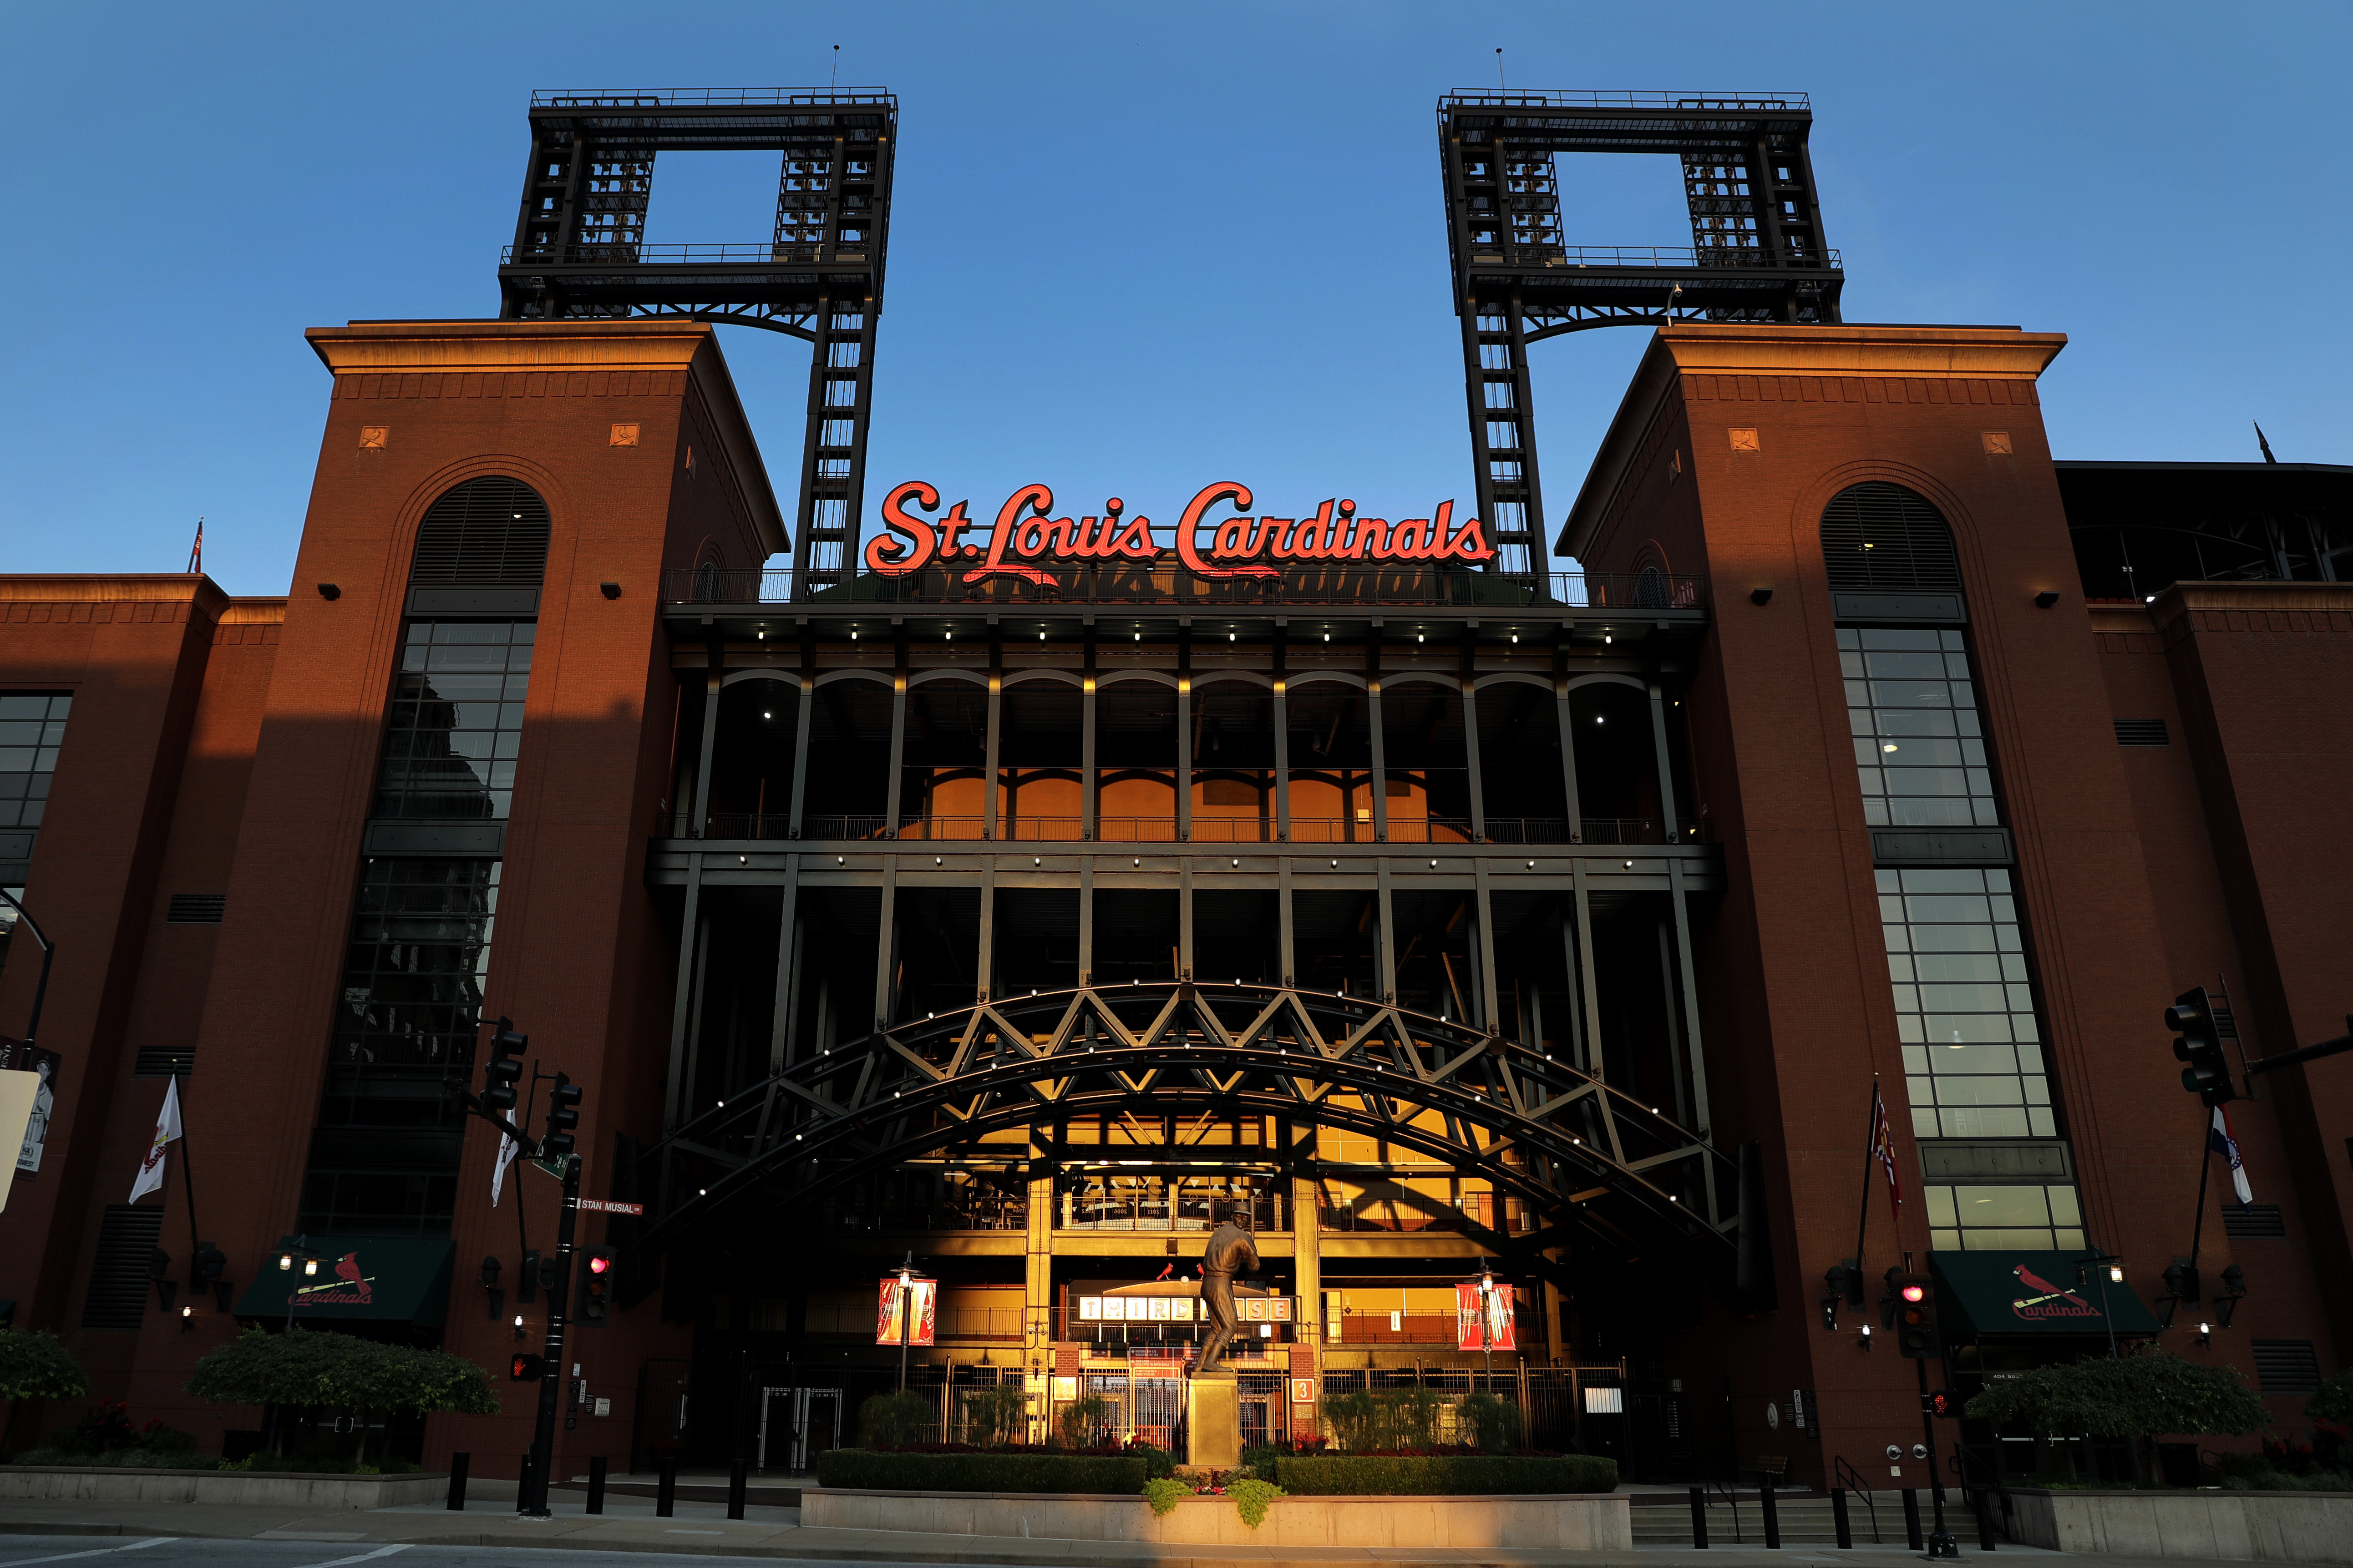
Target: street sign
598,1205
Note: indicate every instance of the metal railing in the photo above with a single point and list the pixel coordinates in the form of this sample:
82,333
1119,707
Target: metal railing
919,828
620,255
1845,1475
704,97
1138,585
1635,98
1703,256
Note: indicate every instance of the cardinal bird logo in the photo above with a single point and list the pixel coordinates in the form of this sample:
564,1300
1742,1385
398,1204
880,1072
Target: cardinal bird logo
349,1287
2046,1291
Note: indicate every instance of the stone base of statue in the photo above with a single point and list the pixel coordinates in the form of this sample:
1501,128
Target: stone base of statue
1213,1421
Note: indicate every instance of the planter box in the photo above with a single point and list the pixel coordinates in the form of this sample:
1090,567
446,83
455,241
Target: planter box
112,1483
1580,1524
2228,1526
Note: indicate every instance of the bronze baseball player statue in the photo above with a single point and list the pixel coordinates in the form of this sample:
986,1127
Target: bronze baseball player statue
1230,1252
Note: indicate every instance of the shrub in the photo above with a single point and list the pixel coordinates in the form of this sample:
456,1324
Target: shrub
339,1371
1493,1424
1407,1475
33,1364
1396,1418
2144,1395
1157,1461
1085,1421
1252,1499
864,1469
1163,1493
2333,1400
994,1415
895,1420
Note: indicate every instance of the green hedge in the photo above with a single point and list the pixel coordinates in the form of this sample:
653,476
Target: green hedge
1349,1474
860,1467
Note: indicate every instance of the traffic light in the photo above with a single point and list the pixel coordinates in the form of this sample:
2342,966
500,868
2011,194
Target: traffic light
527,1277
562,1116
527,1368
1912,1300
2208,1076
505,1066
596,1287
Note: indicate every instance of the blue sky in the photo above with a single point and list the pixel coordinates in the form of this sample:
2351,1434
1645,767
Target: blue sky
1134,247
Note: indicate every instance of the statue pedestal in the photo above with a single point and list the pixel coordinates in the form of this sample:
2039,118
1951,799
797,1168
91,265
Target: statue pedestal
1213,1421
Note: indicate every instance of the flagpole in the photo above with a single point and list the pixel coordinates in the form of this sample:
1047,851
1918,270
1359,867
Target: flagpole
188,1186
2205,1165
1863,1219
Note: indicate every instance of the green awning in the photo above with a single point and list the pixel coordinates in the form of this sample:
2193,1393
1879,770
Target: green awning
360,1276
1991,1293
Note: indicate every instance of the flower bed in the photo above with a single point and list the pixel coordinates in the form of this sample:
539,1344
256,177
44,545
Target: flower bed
1368,1475
866,1469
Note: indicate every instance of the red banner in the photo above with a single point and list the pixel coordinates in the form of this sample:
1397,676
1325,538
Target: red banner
1491,1329
921,1315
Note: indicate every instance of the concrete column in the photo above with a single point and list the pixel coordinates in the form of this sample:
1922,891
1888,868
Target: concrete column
1307,1349
801,752
1471,764
1038,1271
996,717
1667,828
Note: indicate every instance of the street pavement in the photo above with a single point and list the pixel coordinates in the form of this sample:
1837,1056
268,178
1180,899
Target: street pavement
427,1535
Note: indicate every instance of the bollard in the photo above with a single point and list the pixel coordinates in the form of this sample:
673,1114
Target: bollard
739,1474
597,1484
1985,1521
457,1464
1839,1519
522,1484
1698,1518
666,1489
1772,1514
1911,1520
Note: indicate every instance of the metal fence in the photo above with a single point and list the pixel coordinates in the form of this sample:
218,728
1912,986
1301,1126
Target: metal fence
926,827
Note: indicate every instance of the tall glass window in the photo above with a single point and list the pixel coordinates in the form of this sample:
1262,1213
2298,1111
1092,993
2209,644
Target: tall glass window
1913,712
32,728
1964,1010
456,720
383,1158
1965,1003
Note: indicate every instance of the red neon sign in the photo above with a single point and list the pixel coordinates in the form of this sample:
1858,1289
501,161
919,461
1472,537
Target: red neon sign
1026,538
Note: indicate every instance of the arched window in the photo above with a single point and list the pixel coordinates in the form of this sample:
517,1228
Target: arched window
1880,537
490,532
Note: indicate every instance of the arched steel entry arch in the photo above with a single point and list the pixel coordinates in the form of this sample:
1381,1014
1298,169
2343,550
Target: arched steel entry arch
1595,1162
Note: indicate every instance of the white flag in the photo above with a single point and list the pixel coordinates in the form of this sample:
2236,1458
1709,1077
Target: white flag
167,1126
2219,1138
499,1167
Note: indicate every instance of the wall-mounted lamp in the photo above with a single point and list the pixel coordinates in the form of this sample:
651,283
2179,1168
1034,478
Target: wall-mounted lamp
330,591
187,1319
610,590
1760,595
518,1325
2045,599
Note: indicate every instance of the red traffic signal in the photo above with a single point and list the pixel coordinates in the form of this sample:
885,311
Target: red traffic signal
1911,1310
595,1303
1943,1402
527,1368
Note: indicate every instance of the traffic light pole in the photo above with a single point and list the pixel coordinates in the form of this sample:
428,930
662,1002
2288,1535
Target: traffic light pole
1940,1542
551,1376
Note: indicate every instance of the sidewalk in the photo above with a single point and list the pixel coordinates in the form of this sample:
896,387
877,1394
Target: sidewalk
704,1528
